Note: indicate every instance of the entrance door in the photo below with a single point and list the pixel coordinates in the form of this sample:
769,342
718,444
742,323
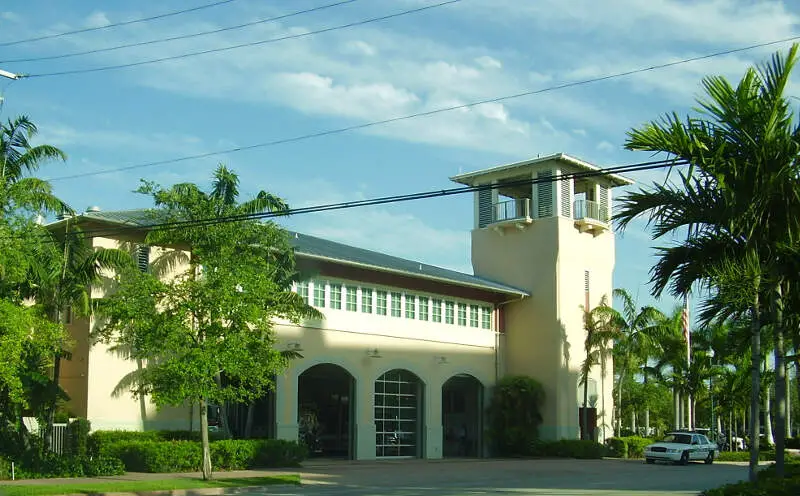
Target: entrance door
462,416
325,408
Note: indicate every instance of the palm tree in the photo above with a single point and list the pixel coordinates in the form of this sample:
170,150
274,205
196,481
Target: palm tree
18,157
602,326
740,197
60,281
637,341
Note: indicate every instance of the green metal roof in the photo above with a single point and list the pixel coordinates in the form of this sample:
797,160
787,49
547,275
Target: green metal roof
324,249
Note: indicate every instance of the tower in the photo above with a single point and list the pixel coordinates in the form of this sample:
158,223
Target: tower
554,239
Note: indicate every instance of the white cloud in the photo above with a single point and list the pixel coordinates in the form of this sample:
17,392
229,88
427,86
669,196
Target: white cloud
97,20
488,62
9,16
359,47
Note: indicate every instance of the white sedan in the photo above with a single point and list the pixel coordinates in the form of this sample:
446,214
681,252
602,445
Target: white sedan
682,447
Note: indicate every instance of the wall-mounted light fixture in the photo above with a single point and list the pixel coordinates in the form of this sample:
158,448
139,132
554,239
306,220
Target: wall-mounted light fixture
441,360
294,346
373,353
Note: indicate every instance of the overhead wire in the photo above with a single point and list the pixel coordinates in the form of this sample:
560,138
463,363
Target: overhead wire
116,24
243,45
180,37
440,110
622,169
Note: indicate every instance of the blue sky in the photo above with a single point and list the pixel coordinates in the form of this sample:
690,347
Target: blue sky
468,51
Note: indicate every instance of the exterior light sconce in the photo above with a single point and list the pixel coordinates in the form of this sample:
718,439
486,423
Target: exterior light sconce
373,353
294,346
441,360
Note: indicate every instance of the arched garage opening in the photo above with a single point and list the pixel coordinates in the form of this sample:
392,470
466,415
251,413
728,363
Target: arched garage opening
399,415
462,416
325,409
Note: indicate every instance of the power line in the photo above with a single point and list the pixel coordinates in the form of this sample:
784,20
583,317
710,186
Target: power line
242,45
440,110
124,23
622,169
181,37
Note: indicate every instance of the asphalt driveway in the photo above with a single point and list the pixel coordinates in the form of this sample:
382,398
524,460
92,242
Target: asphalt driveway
512,477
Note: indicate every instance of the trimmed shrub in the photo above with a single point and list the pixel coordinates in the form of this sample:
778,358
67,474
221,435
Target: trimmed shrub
48,465
515,415
766,483
98,440
77,439
627,447
186,456
569,448
744,456
5,469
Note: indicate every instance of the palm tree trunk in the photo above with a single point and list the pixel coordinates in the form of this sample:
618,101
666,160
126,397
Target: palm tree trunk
585,413
755,395
780,386
646,407
676,407
619,403
204,439
768,435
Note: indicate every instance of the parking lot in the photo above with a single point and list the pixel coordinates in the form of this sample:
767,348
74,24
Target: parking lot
513,477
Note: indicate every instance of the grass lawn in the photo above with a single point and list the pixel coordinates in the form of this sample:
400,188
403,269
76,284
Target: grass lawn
137,486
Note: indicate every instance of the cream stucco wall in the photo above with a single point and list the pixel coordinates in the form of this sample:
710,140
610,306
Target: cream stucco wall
544,335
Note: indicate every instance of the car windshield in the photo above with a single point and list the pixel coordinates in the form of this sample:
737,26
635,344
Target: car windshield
678,438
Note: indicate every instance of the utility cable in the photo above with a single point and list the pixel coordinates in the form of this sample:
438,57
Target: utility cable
439,110
637,167
243,45
181,37
124,23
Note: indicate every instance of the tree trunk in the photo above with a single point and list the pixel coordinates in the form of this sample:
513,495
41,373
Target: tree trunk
633,422
780,386
768,435
585,413
223,410
676,407
248,426
204,439
646,407
755,396
619,404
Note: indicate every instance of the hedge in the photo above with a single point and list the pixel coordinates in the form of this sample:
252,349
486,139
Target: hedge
766,483
99,439
628,446
744,456
569,448
49,465
186,456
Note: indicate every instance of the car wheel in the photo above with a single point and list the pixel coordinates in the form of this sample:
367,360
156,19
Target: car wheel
684,458
649,461
710,458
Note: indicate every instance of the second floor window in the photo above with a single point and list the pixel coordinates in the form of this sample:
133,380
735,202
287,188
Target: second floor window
486,316
380,303
366,300
448,313
473,315
410,306
302,290
436,310
336,296
319,294
462,314
352,297
423,308
396,297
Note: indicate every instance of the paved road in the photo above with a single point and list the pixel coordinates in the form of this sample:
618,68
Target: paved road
515,477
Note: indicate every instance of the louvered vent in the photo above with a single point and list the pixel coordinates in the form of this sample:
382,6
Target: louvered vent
566,197
544,190
604,207
484,207
143,258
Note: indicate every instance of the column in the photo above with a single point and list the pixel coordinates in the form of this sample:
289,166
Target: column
286,407
364,417
433,432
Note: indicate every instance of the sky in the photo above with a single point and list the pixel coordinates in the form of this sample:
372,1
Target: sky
466,51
